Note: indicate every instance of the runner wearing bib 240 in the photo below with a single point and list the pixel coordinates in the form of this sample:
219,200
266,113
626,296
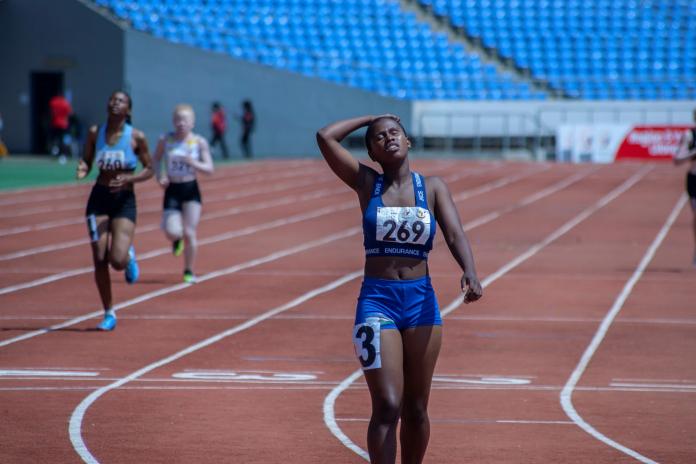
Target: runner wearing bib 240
398,328
185,153
115,147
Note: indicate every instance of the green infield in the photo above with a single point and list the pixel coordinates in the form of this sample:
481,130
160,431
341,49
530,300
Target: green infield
22,171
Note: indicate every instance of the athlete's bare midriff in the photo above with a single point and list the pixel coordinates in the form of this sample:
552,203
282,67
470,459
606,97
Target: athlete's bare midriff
395,268
107,176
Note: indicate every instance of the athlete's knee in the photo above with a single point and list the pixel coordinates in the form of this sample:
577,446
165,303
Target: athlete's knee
386,410
414,413
190,234
119,261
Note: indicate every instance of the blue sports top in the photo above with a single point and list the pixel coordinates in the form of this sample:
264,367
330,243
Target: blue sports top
406,231
117,157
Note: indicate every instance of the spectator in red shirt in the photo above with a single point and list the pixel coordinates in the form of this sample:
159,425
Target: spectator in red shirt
219,124
60,116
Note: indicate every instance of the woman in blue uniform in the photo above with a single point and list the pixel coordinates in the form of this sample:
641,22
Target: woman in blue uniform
185,153
115,147
398,329
687,153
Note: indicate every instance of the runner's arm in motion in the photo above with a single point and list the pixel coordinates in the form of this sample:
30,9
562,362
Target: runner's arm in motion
160,174
342,163
683,154
452,230
205,165
84,165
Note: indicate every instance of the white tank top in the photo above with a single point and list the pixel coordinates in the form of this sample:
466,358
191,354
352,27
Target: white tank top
175,151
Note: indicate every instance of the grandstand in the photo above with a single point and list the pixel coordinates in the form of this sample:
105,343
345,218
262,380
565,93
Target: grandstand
589,50
464,74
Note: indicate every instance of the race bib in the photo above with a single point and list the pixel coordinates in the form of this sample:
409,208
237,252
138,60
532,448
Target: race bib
366,342
403,225
111,160
177,165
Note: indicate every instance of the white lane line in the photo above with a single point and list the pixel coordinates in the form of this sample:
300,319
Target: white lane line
329,401
250,207
181,286
221,213
473,421
215,239
140,384
209,198
75,426
227,173
33,373
669,386
72,221
567,392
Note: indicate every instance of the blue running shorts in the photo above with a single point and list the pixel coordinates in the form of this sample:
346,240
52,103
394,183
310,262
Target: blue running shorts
391,304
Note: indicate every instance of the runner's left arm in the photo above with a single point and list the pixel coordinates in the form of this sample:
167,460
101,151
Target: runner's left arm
451,225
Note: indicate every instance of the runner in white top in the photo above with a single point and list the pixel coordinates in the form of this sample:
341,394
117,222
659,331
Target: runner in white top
185,154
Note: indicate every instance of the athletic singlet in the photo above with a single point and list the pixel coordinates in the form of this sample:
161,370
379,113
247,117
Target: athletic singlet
406,231
175,150
117,157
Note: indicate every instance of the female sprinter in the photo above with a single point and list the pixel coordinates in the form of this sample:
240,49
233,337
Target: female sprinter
687,152
185,154
116,147
398,329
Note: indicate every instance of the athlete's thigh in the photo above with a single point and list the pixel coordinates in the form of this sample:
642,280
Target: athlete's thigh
172,221
421,349
387,381
191,214
122,230
98,228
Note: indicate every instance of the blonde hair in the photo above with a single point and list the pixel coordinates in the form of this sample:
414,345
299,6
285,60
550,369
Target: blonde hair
184,107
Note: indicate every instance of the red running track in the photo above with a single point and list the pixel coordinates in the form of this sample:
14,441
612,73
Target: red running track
581,350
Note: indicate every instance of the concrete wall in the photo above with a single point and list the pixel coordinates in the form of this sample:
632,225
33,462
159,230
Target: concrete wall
50,35
289,107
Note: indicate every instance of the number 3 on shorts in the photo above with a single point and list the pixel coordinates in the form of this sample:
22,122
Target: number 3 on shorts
366,342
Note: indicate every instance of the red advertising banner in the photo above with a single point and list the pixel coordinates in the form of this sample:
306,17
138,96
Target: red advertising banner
651,143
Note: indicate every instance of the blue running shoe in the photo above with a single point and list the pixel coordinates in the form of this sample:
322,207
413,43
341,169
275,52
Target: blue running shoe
132,270
108,323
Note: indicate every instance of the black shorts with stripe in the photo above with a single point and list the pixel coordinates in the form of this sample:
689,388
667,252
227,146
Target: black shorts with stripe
103,202
691,184
179,193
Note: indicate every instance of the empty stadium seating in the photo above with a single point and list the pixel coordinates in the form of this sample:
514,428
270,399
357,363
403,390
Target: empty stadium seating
370,44
599,49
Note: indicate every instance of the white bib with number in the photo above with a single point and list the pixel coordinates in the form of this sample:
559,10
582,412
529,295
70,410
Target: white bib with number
366,340
176,157
111,160
403,224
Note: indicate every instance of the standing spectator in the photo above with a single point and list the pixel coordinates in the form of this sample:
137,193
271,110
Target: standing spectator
60,122
3,148
248,121
219,125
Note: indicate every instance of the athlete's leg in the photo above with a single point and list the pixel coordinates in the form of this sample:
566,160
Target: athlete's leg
191,217
172,224
386,386
421,349
98,227
693,225
122,231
